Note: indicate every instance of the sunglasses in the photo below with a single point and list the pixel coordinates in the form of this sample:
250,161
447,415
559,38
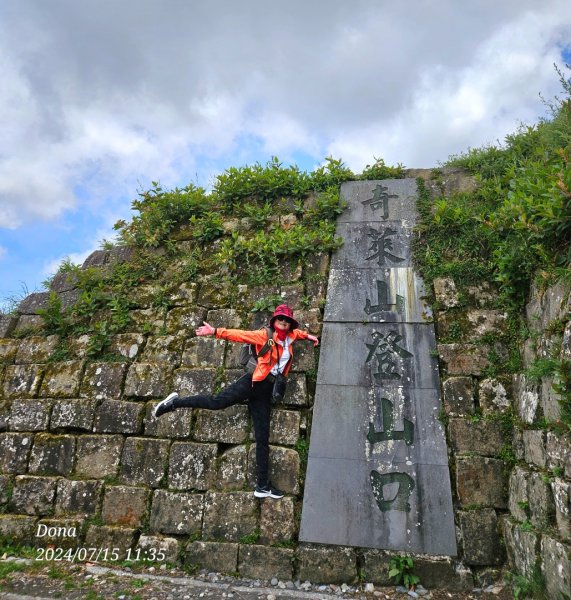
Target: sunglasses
283,319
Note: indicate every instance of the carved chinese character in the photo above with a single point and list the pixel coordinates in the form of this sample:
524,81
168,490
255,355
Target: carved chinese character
388,432
400,500
382,246
383,301
383,348
380,198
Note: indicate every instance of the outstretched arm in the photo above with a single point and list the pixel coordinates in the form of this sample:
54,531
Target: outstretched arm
205,329
313,338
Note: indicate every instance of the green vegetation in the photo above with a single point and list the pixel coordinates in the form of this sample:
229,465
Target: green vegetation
513,231
256,227
401,570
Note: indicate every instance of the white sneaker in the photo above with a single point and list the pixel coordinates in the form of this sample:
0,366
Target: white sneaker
166,405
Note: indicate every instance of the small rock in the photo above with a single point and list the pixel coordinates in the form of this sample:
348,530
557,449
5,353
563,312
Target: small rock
344,588
163,567
282,585
151,569
322,588
274,581
270,597
412,594
369,587
401,589
290,585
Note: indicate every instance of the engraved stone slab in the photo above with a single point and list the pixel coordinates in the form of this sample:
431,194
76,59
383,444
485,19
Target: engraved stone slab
380,295
378,473
369,246
379,201
345,512
378,354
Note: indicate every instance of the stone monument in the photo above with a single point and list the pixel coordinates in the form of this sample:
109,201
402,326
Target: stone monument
378,473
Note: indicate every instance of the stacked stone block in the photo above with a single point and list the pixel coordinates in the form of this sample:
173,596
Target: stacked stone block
529,504
82,450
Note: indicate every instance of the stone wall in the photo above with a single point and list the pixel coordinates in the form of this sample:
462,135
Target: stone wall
511,456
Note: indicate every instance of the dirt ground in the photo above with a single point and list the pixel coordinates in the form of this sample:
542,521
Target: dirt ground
74,581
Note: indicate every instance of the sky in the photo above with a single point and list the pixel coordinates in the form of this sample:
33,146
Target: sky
100,97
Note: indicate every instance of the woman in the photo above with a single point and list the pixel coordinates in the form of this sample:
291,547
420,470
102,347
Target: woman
255,387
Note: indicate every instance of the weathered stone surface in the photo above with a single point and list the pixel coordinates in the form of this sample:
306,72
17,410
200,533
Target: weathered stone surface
147,380
296,391
558,451
204,352
14,452
176,513
304,357
52,454
493,396
213,556
18,527
27,324
464,359
163,349
127,344
7,325
480,537
277,521
8,350
62,380
284,468
459,396
192,466
436,573
484,322
483,294
541,505
518,498
116,416
550,404
147,319
521,546
36,349
228,426
481,437
144,461
482,481
72,414
30,415
98,455
103,381
33,302
445,292
284,427
327,564
126,506
22,381
186,293
185,319
6,485
310,320
292,294
33,495
534,447
160,549
97,258
232,468
79,346
262,562
226,317
556,567
526,398
189,382
375,567
63,282
113,541
229,516
562,498
78,497
176,424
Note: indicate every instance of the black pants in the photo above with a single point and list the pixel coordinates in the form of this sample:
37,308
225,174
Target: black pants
259,396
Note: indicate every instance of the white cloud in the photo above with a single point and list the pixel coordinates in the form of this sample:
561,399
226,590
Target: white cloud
3,252
97,97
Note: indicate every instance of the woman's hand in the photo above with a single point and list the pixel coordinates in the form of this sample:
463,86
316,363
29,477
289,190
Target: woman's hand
314,339
205,329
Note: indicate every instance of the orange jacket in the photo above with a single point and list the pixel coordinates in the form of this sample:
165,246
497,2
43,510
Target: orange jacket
259,338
